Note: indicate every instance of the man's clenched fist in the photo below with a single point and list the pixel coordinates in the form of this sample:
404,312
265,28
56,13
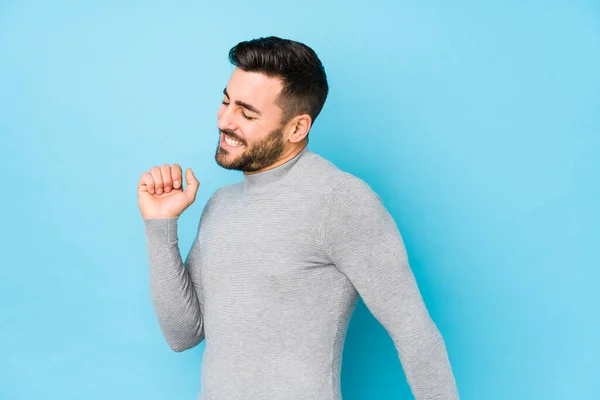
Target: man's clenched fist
161,193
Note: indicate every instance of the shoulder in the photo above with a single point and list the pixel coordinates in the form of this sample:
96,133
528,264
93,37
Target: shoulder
339,186
219,197
353,186
322,172
227,191
352,191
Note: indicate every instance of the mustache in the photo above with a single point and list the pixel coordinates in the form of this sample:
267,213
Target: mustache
232,135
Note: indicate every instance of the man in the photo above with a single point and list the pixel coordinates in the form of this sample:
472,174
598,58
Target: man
279,258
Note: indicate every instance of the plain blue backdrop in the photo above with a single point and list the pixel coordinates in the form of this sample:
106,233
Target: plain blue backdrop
477,123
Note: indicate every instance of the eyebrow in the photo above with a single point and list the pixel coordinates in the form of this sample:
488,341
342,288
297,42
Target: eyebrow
245,105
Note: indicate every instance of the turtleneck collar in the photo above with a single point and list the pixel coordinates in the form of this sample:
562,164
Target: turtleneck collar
264,180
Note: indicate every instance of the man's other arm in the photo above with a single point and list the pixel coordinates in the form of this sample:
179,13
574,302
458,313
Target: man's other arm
363,241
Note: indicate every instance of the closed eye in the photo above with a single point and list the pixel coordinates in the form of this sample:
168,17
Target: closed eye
249,118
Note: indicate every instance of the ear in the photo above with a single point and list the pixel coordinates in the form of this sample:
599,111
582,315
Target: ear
298,127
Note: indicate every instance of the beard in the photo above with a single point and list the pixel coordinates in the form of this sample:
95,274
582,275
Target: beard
259,155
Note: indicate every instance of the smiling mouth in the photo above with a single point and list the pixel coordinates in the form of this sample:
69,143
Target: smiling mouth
229,141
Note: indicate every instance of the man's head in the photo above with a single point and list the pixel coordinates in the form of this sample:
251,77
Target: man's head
273,97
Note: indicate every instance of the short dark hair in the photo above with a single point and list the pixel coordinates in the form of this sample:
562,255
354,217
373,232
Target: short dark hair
303,76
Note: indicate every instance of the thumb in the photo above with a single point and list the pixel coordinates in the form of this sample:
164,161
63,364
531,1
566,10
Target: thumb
192,185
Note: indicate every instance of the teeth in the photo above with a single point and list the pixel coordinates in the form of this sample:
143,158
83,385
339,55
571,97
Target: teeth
232,142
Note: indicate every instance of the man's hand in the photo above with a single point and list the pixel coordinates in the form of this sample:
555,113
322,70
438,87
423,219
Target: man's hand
161,193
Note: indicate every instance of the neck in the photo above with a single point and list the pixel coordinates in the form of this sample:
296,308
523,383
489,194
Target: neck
276,174
291,153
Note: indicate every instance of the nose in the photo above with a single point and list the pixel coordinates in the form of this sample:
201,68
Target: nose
226,119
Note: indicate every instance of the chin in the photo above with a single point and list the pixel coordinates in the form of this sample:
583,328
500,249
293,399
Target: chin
225,160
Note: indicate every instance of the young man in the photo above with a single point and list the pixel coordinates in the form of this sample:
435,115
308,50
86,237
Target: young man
279,259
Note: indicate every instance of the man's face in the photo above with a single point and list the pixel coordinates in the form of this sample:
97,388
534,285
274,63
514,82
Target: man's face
249,121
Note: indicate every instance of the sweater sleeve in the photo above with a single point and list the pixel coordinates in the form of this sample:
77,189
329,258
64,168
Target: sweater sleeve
173,293
361,238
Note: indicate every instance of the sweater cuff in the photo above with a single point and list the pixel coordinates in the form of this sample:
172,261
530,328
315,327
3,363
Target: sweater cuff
161,230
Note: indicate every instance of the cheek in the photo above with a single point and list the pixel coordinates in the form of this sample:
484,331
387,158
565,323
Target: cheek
251,131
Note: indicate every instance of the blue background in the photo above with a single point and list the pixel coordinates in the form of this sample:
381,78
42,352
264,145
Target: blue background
477,122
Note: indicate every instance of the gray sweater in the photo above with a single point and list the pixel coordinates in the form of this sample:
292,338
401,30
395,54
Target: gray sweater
272,278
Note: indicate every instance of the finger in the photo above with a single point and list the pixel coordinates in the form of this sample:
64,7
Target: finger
190,178
166,176
146,183
176,176
192,185
158,182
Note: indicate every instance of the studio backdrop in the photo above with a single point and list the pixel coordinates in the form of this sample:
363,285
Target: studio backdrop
476,122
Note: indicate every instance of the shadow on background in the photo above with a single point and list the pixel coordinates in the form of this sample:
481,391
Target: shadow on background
371,368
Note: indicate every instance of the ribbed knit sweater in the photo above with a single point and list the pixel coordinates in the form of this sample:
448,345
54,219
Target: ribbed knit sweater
273,276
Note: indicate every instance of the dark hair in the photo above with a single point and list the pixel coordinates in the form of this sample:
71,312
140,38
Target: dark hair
297,65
